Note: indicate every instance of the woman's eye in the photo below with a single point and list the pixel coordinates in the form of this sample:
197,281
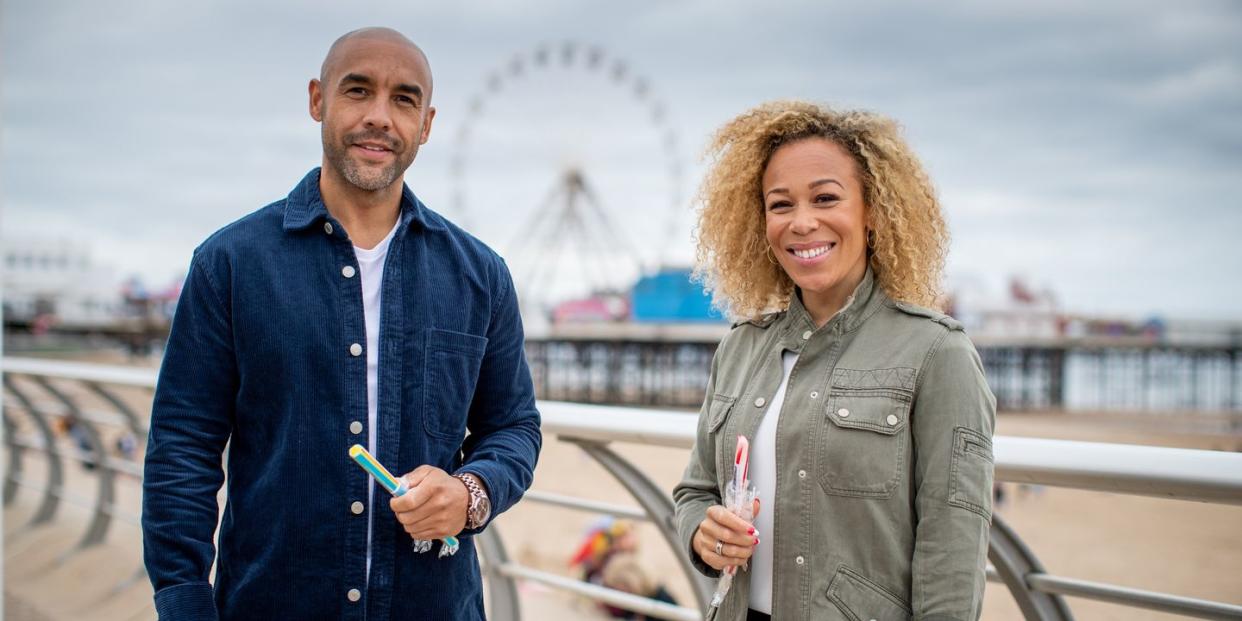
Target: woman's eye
778,206
827,198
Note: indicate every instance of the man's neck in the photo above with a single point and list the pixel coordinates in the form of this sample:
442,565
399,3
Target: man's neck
367,215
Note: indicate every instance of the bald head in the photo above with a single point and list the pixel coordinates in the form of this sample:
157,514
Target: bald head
349,43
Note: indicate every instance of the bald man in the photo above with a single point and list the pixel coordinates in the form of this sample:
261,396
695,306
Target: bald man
346,313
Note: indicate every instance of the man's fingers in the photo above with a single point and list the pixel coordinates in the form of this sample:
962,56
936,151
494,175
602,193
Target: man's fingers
416,476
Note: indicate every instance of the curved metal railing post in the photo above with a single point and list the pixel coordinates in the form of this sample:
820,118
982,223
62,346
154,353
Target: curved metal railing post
55,468
126,412
13,473
502,592
1014,562
101,517
657,504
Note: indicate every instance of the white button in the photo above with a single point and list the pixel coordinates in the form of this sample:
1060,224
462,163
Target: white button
327,228
814,394
355,427
355,349
759,402
799,560
806,336
347,271
892,419
357,508
354,595
802,474
843,413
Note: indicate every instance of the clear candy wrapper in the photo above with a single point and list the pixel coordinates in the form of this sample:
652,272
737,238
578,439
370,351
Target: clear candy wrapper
739,499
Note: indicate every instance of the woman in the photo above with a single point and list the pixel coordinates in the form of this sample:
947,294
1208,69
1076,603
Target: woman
868,415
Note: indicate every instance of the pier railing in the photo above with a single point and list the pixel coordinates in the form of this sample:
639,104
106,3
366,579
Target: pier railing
31,418
667,365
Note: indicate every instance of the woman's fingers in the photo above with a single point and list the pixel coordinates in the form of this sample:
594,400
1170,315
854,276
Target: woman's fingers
739,530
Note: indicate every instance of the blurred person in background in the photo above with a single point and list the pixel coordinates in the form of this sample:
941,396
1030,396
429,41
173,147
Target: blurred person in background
868,415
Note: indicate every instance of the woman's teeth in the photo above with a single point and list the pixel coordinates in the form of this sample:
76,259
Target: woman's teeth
811,253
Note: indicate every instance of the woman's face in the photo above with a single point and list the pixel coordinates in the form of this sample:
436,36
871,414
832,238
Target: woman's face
816,219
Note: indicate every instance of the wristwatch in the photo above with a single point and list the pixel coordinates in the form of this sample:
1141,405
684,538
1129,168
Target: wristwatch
478,505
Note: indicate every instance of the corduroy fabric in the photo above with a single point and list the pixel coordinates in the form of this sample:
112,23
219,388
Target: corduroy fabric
259,359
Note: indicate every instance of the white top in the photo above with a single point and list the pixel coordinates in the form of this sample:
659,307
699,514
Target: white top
371,274
763,475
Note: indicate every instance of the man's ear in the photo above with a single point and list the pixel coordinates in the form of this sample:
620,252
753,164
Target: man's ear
315,90
431,115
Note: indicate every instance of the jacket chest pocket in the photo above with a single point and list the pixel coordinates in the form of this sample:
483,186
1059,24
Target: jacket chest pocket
863,439
451,374
718,415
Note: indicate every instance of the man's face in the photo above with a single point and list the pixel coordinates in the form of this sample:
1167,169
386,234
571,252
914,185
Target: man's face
373,105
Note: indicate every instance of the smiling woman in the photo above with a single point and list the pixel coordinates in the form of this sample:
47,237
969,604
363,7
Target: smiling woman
868,416
906,235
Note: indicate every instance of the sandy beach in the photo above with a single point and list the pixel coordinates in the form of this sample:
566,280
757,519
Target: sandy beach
1189,549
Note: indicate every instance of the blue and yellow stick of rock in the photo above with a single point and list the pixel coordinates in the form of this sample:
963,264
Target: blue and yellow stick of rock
397,487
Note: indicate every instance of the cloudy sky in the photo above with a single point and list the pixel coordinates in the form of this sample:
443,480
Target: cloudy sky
1092,148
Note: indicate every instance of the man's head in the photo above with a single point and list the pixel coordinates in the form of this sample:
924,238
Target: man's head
373,98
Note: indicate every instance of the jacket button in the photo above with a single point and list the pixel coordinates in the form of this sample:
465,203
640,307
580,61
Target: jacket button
354,595
355,427
357,508
760,401
892,419
347,271
355,350
327,228
799,560
802,474
806,336
843,413
814,394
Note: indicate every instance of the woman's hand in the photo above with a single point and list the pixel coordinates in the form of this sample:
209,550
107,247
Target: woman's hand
737,538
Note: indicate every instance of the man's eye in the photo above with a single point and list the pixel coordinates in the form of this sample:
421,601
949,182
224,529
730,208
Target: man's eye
405,101
356,91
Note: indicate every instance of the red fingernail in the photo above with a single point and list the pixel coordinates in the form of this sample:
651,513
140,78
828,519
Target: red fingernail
751,531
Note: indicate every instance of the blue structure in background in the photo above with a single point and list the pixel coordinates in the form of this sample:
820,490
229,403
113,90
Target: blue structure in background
671,296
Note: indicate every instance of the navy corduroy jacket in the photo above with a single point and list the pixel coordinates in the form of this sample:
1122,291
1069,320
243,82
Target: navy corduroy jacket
260,359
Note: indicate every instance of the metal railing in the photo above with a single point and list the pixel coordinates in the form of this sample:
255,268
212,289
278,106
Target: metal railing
1180,474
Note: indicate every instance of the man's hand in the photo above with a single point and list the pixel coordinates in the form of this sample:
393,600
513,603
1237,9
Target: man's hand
435,506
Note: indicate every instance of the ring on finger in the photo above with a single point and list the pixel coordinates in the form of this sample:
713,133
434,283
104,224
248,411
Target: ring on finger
719,547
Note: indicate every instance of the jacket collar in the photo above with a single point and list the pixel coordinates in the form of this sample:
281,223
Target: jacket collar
304,207
866,299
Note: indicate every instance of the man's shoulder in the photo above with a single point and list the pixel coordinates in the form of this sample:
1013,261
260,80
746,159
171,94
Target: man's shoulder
256,228
473,249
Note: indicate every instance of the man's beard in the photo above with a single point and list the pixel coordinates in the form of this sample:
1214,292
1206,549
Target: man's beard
363,177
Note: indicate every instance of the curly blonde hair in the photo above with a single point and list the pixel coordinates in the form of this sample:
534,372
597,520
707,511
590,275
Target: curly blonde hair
910,239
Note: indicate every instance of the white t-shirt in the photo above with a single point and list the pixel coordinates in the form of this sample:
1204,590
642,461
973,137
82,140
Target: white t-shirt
763,475
371,274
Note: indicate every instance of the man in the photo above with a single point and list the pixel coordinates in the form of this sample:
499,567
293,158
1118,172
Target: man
346,313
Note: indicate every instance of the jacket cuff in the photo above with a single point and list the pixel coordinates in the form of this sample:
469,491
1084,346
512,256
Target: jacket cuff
192,601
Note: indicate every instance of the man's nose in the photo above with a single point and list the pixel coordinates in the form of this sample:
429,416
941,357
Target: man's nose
379,114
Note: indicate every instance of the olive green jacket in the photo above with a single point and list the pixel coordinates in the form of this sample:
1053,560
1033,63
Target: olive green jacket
883,461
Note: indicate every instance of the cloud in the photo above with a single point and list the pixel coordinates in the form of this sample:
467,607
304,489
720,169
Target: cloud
1085,144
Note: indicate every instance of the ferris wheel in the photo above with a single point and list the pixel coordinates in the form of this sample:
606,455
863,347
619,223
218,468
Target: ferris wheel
573,150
